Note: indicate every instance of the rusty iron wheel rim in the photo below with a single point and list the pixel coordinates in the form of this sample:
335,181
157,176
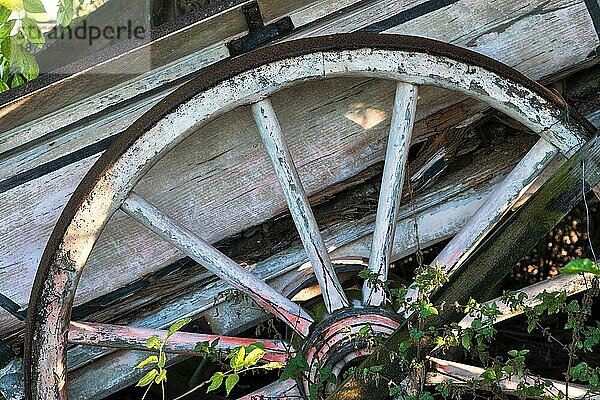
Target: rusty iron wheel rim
108,185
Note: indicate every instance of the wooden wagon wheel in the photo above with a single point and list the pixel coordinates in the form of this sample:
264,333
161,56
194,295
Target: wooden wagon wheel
251,79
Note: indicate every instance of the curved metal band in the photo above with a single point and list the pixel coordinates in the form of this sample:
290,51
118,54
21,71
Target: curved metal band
242,81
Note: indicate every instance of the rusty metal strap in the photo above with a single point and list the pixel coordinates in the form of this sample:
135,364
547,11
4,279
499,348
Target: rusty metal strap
13,308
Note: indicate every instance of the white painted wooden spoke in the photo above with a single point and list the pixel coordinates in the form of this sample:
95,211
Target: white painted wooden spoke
218,263
570,284
289,180
444,371
284,390
500,201
403,116
126,337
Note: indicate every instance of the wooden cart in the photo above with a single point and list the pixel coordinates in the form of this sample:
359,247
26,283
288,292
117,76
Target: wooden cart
175,185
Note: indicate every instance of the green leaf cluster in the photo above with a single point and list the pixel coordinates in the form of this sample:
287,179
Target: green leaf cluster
581,266
20,36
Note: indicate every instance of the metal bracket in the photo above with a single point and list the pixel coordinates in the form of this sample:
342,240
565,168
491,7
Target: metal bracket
259,34
13,308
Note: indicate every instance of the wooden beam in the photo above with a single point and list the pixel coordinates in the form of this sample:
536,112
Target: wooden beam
129,338
462,374
570,284
287,389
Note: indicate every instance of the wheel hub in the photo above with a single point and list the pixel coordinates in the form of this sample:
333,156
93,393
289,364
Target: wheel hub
342,340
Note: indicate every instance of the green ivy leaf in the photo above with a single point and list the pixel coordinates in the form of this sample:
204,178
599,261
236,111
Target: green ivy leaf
148,378
178,325
162,376
403,348
294,367
21,59
65,13
32,31
3,87
489,374
253,357
466,341
578,369
425,396
272,365
34,6
365,330
19,38
5,30
416,334
163,360
579,266
153,343
4,14
148,360
428,309
16,80
215,381
257,345
237,359
396,390
230,382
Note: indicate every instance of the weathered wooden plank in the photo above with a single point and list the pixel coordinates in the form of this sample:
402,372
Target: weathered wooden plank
287,389
460,374
129,338
173,44
497,254
174,58
571,284
468,24
529,26
166,50
353,20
